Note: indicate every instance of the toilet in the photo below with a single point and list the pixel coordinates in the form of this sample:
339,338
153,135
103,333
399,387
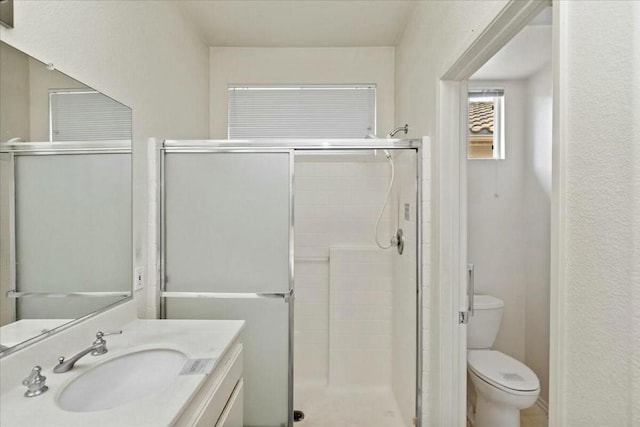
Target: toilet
503,384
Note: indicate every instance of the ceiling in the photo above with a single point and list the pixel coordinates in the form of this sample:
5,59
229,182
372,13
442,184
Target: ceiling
525,54
300,23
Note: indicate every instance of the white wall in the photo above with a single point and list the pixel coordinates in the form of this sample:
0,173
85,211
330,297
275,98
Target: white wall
14,98
496,224
301,66
537,217
436,35
597,196
142,54
509,234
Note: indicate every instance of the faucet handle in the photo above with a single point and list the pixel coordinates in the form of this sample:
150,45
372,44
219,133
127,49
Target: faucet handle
35,383
101,334
101,343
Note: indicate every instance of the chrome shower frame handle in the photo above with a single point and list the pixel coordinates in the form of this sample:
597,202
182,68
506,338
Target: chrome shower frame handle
470,289
464,316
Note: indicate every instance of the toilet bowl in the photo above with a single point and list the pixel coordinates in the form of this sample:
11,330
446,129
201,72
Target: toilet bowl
503,384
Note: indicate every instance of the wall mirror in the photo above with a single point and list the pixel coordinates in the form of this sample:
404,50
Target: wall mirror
65,200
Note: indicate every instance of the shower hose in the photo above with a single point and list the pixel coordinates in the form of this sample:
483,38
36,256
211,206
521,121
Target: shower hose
386,201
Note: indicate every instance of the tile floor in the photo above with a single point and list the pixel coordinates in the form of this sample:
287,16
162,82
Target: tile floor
534,417
530,417
335,407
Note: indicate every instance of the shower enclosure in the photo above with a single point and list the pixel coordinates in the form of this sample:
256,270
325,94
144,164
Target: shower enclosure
234,231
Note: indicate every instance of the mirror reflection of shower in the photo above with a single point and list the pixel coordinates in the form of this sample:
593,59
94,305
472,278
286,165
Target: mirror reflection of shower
397,239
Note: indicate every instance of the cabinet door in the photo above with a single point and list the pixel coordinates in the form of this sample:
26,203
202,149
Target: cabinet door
232,415
228,227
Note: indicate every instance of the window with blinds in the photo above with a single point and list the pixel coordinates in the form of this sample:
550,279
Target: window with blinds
309,111
87,115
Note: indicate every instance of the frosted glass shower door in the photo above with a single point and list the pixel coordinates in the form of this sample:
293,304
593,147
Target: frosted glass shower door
227,222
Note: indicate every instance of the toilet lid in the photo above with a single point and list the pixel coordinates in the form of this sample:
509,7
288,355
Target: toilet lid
500,369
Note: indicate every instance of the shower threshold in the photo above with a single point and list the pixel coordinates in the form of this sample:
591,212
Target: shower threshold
348,407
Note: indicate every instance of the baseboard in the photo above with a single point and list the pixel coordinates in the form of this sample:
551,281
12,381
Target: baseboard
542,404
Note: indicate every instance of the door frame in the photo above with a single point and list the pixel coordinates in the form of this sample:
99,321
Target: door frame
451,223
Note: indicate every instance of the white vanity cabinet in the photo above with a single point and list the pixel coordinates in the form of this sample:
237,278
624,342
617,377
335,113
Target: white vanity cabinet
218,402
203,388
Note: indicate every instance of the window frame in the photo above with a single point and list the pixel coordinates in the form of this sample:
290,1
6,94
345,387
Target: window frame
496,95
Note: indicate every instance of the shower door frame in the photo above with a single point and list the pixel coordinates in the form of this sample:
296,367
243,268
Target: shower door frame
291,146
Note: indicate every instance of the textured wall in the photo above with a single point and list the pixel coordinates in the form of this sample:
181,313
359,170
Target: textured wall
140,53
600,294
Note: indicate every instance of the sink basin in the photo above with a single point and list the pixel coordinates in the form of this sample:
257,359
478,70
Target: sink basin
122,380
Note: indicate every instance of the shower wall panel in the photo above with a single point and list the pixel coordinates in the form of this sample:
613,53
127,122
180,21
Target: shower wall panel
360,313
336,204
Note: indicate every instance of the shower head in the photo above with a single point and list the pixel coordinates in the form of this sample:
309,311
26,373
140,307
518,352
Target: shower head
404,129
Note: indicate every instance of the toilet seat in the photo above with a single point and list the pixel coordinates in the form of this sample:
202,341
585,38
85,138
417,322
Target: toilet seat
503,372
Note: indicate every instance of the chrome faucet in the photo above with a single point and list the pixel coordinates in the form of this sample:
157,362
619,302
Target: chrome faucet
35,383
98,348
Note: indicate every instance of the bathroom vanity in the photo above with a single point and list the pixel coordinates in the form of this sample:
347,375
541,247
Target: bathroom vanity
156,373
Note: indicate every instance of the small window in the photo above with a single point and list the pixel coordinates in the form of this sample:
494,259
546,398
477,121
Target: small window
486,124
302,111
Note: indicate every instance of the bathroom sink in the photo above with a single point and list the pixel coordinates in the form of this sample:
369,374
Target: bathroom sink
122,380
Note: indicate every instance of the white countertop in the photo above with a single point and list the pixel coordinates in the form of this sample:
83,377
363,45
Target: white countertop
25,329
198,339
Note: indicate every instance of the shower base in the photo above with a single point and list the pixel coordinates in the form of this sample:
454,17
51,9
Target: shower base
347,407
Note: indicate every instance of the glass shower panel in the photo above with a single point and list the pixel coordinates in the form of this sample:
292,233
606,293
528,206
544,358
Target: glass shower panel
265,351
227,222
227,230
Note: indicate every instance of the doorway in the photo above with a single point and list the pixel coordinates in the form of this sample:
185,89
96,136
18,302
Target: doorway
469,221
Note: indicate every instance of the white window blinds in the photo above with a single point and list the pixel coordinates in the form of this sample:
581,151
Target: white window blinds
85,115
310,111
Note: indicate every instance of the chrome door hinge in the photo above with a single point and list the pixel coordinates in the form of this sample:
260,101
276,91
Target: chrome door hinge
463,317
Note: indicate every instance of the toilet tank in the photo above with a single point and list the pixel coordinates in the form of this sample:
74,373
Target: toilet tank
484,324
